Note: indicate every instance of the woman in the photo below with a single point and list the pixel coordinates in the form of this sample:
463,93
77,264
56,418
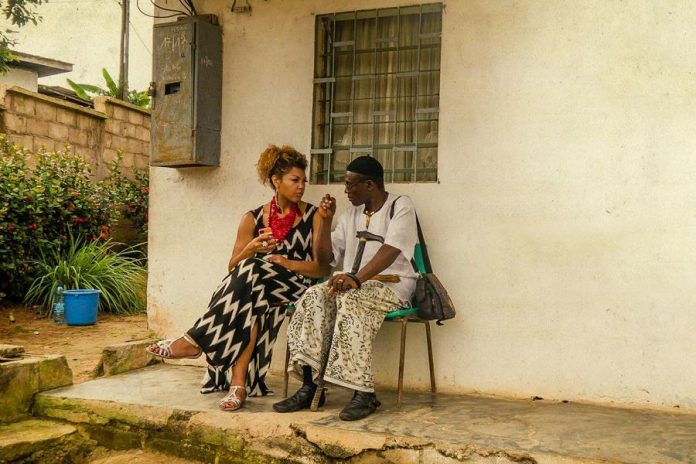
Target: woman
273,262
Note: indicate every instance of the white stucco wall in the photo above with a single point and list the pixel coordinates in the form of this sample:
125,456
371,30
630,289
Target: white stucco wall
87,33
563,223
20,77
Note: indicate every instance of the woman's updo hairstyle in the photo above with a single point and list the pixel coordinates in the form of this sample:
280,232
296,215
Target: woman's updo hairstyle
279,161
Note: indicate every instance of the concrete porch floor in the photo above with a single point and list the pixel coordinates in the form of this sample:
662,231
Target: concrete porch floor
440,429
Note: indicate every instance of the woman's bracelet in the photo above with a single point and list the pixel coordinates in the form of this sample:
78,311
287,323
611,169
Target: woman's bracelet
355,278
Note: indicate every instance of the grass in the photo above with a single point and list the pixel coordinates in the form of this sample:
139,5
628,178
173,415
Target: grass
120,275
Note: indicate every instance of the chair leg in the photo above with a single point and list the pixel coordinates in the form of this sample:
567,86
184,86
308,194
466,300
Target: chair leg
286,374
402,353
430,357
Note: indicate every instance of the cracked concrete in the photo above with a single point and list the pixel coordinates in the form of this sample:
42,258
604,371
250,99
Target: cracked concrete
21,377
10,351
41,441
159,408
124,357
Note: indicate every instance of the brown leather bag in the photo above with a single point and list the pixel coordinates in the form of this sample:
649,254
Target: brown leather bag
431,299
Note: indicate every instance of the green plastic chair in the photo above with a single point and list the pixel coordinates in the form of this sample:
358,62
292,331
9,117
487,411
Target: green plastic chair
402,316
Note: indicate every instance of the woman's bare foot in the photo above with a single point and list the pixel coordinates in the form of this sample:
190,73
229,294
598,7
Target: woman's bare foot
174,349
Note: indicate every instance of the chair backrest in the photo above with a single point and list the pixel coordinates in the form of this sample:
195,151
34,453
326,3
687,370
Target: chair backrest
418,258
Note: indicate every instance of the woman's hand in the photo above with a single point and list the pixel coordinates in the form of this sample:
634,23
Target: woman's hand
264,243
327,207
278,259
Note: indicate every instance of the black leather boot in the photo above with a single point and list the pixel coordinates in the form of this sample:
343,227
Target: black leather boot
302,399
362,405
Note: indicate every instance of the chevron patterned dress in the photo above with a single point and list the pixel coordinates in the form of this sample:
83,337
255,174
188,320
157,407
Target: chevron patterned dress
255,292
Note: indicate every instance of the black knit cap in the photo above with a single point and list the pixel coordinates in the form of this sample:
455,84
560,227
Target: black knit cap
367,166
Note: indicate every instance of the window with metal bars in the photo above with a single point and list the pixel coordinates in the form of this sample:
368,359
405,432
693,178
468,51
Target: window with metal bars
377,92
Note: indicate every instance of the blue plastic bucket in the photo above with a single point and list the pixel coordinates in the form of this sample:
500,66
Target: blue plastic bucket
81,306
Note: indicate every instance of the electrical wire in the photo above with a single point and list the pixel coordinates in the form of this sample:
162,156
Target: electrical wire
186,7
169,9
137,4
135,31
193,8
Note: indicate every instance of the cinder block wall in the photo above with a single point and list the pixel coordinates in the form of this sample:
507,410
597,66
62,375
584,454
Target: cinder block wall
34,121
126,128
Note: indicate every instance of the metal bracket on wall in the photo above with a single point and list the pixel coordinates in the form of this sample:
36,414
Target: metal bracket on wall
246,8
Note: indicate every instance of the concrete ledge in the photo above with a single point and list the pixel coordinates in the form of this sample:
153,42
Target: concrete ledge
90,412
21,379
54,372
9,351
172,431
152,415
58,102
242,438
159,408
99,103
41,441
125,357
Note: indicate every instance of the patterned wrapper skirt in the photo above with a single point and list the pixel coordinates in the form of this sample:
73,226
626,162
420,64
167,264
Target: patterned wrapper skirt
255,293
337,332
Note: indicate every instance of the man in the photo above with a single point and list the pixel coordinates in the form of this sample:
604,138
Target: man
335,323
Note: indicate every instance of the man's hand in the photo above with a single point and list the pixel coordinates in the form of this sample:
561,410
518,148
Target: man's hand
327,207
339,283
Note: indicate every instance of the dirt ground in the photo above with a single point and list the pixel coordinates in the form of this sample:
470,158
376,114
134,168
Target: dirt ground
81,345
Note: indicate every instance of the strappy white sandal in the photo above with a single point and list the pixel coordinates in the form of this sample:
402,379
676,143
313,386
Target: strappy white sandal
231,402
164,348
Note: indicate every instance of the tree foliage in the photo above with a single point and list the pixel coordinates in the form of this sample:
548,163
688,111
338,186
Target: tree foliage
18,13
85,91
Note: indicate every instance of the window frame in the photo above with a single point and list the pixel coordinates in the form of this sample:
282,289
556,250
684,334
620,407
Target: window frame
324,102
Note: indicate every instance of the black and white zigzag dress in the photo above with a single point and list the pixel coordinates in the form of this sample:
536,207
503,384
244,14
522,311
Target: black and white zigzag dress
255,292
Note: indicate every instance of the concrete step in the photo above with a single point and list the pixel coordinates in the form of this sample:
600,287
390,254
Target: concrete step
10,351
41,441
159,409
22,376
124,357
136,457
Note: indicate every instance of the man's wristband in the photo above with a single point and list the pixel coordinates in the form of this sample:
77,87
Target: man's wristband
354,277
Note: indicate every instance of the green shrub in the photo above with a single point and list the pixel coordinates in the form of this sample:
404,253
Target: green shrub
70,198
132,195
17,226
41,207
119,275
38,206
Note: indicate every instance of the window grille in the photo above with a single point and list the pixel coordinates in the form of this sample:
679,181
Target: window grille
377,92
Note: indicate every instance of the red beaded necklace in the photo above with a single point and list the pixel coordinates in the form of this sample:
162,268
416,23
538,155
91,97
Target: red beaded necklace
281,225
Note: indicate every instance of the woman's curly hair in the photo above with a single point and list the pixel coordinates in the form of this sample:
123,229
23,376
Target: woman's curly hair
278,161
